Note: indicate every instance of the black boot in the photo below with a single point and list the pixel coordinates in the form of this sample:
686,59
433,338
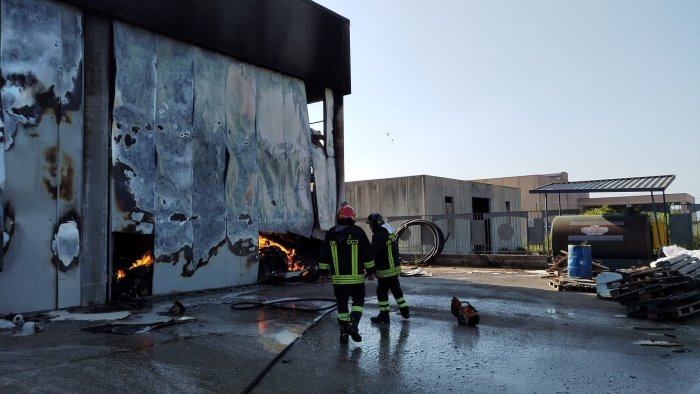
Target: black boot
383,317
404,312
343,332
352,327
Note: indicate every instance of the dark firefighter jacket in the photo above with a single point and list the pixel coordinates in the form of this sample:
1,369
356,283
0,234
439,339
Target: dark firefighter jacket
385,250
346,254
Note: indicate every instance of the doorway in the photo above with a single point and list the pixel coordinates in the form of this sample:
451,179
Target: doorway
481,225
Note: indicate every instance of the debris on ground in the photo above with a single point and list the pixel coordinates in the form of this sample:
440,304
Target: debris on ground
558,274
140,323
560,264
668,289
573,284
418,271
20,325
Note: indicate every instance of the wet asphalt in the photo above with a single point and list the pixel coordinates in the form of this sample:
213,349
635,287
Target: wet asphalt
530,339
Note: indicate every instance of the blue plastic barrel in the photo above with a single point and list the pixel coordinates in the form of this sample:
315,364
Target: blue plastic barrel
580,263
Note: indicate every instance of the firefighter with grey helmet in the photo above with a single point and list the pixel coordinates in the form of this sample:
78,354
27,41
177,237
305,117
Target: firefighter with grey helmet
385,252
346,256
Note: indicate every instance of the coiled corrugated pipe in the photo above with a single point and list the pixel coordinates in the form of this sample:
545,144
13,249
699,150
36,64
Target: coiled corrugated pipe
432,229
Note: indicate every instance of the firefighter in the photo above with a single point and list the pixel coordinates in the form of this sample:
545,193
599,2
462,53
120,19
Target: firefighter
385,252
346,255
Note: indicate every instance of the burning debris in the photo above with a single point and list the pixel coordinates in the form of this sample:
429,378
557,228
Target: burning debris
145,261
281,258
132,266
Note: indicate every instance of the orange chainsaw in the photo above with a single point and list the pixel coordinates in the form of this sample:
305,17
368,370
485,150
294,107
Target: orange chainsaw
465,313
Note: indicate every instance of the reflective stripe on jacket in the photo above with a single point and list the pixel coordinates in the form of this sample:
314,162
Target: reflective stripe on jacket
346,255
385,250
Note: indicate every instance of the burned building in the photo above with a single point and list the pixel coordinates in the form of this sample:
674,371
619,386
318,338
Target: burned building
148,144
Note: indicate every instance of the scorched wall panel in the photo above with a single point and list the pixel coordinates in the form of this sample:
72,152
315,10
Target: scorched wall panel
41,90
133,135
231,156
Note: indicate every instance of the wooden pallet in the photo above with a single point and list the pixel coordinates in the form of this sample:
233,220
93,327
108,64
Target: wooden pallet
675,312
663,303
656,290
571,284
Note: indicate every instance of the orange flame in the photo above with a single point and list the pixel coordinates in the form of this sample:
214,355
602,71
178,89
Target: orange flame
292,262
144,261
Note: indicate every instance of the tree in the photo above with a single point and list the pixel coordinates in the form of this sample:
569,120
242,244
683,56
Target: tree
604,210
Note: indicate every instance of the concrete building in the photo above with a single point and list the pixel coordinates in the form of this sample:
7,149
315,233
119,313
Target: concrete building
171,131
535,202
464,210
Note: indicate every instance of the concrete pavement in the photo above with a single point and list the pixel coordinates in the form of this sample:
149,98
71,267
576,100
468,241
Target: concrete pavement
531,339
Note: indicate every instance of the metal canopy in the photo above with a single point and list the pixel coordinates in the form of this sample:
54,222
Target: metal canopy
638,184
650,184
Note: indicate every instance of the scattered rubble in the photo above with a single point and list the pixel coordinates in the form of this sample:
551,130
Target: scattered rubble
418,271
557,273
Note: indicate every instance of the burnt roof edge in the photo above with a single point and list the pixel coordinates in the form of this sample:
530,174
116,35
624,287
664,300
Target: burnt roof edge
295,37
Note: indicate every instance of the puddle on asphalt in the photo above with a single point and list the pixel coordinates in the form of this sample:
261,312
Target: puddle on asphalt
277,341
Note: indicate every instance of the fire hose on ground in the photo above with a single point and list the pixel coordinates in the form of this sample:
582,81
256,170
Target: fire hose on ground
436,238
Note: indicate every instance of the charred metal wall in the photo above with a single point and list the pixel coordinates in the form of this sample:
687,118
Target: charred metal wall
156,136
207,151
41,63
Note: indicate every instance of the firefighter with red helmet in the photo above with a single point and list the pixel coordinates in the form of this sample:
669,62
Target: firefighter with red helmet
385,252
346,256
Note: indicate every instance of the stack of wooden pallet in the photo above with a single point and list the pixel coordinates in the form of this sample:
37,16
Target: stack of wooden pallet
670,290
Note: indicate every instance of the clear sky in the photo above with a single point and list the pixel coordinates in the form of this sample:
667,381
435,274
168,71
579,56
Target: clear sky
479,89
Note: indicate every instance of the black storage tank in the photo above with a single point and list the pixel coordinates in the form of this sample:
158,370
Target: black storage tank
615,237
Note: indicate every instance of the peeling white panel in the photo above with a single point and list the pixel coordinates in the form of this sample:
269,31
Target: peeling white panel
273,184
231,154
66,244
242,172
329,104
209,167
31,53
70,153
173,207
133,130
298,145
324,172
31,60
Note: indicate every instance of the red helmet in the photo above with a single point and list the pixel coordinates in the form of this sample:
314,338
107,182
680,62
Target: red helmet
346,212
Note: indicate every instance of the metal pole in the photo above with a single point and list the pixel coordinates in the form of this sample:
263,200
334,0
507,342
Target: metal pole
667,209
559,194
656,220
546,227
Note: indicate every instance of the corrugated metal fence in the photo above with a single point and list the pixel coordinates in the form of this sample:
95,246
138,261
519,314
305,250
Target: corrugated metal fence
521,232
